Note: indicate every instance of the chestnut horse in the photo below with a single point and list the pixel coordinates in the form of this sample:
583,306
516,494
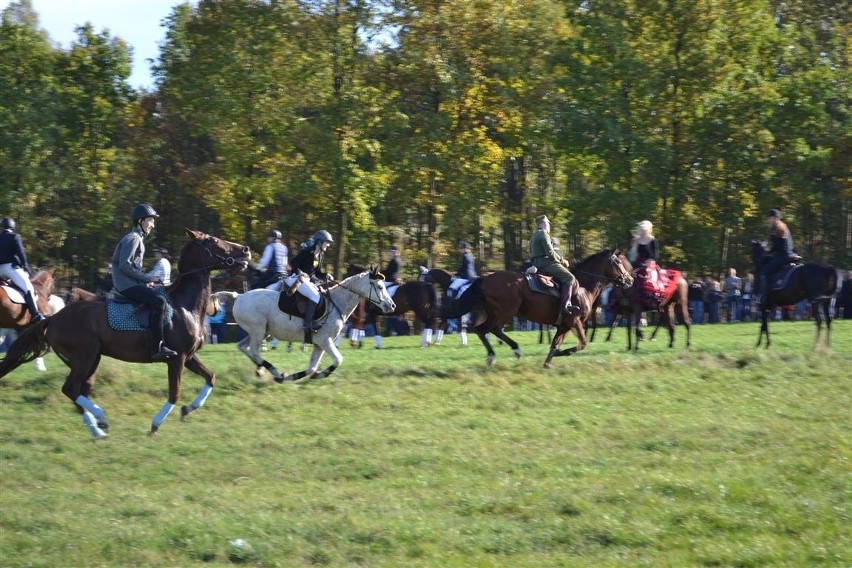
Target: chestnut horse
811,281
494,299
14,314
81,333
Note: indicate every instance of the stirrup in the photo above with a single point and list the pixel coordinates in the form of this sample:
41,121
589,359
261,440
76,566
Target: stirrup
571,310
164,353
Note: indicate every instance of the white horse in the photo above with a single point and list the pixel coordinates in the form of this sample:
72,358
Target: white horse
56,303
257,313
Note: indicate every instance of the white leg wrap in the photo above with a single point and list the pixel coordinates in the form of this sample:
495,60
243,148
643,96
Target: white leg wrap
463,337
96,410
199,401
378,339
439,336
354,334
40,366
92,424
162,414
426,337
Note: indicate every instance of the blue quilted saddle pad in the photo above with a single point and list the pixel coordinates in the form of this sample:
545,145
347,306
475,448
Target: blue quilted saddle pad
122,315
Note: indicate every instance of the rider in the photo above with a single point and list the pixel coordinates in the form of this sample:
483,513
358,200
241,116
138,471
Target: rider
309,261
466,272
132,283
780,251
548,261
644,248
13,265
394,267
274,260
162,269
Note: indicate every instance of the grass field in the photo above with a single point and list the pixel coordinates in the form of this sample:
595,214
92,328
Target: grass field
721,455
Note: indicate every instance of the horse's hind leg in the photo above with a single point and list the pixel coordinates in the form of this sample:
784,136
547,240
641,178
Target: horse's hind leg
508,340
250,346
195,365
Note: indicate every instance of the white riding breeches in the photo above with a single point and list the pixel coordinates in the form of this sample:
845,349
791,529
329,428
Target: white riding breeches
457,287
18,277
307,289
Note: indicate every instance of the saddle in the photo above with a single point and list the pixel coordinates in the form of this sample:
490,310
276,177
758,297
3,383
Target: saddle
654,285
123,314
543,284
781,277
295,305
16,295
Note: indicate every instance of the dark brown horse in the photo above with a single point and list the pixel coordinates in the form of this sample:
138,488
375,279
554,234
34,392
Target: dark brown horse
811,281
674,296
81,333
14,314
413,296
494,299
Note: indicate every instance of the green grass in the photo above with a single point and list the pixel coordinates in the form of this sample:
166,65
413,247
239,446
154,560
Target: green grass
721,455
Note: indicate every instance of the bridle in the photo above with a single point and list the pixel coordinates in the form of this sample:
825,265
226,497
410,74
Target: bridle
224,261
375,300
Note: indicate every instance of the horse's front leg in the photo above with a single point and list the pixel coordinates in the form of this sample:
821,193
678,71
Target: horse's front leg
492,356
175,365
195,365
329,347
554,346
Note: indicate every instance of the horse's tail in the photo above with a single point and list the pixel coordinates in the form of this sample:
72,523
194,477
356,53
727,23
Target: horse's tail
31,343
465,303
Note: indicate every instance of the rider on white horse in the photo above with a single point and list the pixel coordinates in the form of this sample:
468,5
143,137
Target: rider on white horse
309,262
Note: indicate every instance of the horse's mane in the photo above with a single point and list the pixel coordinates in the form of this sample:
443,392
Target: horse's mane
594,258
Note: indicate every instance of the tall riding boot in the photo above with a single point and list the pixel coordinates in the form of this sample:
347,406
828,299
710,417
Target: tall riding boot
760,289
35,315
569,309
308,323
159,351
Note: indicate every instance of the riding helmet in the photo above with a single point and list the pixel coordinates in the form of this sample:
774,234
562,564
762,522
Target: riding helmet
323,236
274,234
464,245
774,213
142,211
7,223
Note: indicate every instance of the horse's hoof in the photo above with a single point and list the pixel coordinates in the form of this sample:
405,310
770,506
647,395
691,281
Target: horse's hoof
103,424
153,431
517,354
546,365
184,410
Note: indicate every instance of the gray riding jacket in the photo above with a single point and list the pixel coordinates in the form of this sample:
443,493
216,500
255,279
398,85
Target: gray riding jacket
127,261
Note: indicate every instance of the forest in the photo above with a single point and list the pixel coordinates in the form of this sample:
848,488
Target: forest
424,122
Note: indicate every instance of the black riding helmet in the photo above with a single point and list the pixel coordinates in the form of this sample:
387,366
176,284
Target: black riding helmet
142,211
322,236
7,223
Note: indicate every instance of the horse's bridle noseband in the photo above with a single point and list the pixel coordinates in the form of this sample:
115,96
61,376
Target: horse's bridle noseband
224,261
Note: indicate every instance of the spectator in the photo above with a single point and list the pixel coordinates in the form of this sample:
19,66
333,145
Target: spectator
218,324
696,300
748,291
733,290
712,297
845,300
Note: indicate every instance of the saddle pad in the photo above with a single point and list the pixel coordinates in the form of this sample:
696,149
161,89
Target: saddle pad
122,316
651,298
14,294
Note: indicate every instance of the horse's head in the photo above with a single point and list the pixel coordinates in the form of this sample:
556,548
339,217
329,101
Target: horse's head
43,282
622,271
206,252
758,251
371,286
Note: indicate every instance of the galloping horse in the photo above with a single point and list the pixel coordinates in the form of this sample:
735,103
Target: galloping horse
495,298
810,281
674,295
415,296
257,312
82,333
13,312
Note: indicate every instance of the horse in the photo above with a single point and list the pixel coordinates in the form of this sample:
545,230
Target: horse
13,311
622,306
495,298
82,333
443,278
413,296
75,294
257,312
812,281
675,295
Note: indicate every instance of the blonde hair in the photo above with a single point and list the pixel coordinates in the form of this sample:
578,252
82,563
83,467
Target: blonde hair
643,228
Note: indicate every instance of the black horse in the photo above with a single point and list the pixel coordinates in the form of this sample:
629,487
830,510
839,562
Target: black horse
415,296
810,281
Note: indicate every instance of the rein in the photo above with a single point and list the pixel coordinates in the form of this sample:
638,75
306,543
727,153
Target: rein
224,261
